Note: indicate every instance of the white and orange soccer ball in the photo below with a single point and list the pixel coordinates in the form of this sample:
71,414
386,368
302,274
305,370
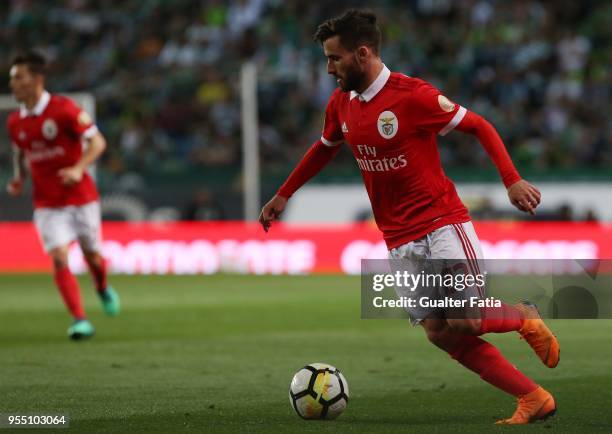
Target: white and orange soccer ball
319,391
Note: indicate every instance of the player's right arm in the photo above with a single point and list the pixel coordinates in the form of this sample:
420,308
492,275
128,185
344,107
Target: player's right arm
315,159
15,185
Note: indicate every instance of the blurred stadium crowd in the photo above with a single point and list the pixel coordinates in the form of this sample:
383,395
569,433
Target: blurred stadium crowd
165,75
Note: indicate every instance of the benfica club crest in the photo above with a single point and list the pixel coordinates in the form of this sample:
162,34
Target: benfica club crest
49,129
387,124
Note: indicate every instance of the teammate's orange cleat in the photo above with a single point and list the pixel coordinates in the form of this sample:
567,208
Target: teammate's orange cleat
537,405
538,335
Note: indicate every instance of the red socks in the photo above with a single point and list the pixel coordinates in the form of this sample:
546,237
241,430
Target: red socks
98,272
486,360
69,288
500,319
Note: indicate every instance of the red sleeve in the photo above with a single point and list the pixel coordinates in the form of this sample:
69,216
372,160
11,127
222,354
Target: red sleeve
78,121
433,112
332,131
493,144
320,153
313,161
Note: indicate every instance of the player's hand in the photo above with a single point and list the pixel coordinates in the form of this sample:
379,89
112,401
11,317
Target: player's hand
70,175
272,211
524,196
15,187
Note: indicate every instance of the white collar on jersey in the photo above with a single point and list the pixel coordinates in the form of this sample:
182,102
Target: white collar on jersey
375,87
40,106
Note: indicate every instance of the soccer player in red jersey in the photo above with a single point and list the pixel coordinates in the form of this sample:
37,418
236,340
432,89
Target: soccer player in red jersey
47,134
390,122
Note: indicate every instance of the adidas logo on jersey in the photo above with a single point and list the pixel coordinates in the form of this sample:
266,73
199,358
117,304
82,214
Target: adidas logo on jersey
344,128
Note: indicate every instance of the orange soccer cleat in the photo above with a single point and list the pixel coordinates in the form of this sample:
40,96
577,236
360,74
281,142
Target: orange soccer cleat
537,405
538,335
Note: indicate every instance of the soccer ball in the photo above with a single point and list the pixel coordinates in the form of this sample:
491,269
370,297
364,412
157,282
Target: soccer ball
319,391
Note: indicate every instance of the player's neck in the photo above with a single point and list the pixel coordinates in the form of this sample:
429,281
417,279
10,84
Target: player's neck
31,102
371,74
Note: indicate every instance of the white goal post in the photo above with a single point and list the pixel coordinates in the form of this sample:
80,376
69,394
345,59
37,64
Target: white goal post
250,140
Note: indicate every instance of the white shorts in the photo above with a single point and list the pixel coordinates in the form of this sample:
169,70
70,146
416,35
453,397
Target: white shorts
454,248
61,226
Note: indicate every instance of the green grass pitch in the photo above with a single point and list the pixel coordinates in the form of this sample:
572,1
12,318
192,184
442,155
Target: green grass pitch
217,353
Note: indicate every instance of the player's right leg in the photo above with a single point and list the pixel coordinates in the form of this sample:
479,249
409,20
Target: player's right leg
71,294
56,233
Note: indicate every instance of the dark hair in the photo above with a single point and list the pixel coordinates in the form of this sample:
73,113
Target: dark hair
355,27
36,62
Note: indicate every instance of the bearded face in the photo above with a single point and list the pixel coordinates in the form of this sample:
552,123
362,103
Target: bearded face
352,78
343,65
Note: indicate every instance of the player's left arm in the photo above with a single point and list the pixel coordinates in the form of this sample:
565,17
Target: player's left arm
79,124
435,113
521,193
96,145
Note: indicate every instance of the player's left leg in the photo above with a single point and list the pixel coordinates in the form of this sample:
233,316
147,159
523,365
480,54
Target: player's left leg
478,356
97,267
487,361
522,318
481,357
88,227
460,242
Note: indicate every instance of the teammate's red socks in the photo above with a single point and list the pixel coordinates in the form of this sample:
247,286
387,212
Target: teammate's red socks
484,359
69,288
98,272
500,319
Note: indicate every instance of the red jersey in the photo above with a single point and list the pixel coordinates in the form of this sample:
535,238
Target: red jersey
51,137
391,129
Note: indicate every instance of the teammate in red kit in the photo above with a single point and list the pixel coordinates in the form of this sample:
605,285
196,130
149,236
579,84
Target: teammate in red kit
390,122
47,133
